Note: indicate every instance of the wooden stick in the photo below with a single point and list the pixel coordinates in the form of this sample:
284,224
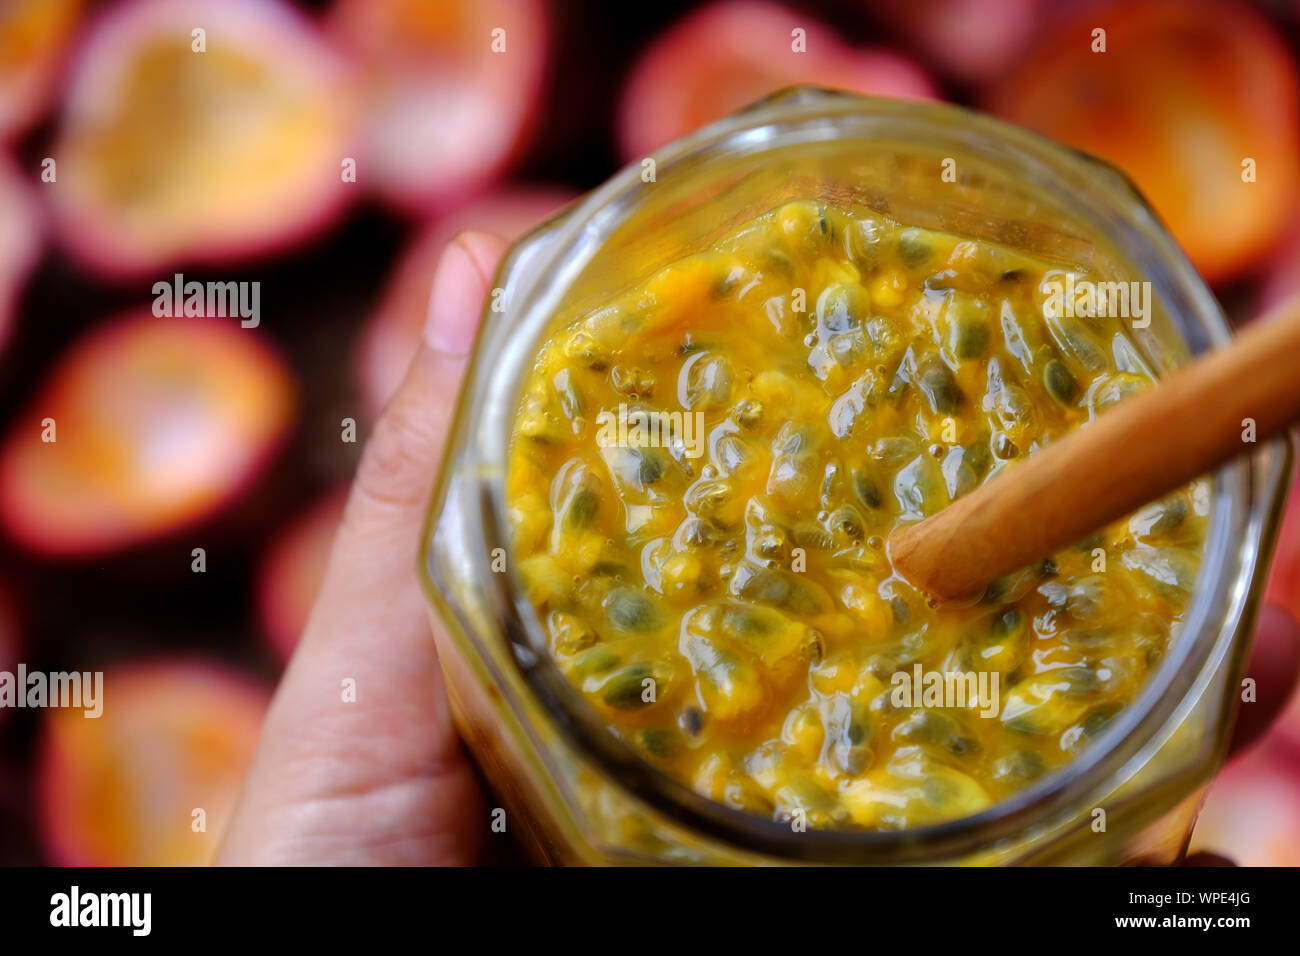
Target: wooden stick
1196,419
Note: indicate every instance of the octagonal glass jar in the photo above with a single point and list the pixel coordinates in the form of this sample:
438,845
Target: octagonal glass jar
577,794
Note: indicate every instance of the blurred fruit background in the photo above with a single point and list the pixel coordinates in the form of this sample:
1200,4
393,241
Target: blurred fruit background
174,534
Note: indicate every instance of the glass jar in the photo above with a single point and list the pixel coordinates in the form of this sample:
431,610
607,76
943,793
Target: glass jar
572,790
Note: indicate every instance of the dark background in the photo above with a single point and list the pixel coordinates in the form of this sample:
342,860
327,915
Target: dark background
145,602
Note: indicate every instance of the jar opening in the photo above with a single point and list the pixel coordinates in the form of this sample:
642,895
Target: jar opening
563,263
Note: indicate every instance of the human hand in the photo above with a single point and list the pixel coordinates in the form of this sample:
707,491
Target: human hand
383,780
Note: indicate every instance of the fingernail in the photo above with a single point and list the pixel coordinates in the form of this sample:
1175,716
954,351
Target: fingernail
455,302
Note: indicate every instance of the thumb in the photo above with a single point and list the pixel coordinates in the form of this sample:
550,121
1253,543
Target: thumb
405,449
358,760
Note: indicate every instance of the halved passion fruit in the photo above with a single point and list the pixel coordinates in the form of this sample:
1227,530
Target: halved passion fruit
1281,279
168,152
392,332
292,571
20,241
1188,98
1252,815
1289,727
726,55
10,637
1284,591
1284,579
449,87
153,780
148,425
34,37
969,39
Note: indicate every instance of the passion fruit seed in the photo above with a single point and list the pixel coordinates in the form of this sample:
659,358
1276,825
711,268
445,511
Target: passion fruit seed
756,565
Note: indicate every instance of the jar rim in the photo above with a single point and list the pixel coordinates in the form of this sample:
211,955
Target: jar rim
545,264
